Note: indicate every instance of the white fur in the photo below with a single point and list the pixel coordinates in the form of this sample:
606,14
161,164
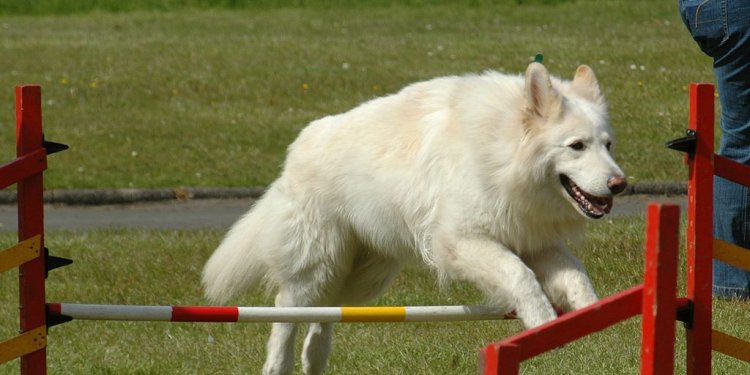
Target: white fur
458,173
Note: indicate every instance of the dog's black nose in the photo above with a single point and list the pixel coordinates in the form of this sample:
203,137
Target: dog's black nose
617,184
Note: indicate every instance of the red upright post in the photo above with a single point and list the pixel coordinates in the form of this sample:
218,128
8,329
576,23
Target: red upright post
31,222
660,290
700,232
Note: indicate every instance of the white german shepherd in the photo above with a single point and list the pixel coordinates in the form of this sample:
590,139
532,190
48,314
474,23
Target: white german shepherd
482,178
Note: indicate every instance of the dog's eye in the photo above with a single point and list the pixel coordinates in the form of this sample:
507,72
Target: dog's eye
609,145
578,146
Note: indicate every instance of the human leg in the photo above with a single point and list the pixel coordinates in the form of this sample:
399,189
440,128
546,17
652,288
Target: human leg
722,30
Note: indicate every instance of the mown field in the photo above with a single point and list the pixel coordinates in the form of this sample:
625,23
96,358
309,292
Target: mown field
211,97
163,267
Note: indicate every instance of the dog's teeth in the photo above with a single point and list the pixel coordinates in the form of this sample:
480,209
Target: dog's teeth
591,205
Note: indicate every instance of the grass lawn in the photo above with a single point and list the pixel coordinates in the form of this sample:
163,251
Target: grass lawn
154,267
212,97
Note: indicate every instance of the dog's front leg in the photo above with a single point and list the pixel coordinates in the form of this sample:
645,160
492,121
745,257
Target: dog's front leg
563,278
506,281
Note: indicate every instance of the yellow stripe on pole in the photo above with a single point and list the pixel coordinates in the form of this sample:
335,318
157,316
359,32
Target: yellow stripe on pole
730,345
732,254
23,252
23,344
373,314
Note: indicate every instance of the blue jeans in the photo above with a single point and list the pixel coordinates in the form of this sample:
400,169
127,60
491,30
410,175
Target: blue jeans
722,30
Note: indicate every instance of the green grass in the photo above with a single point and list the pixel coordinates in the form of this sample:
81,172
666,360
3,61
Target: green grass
154,267
83,6
211,97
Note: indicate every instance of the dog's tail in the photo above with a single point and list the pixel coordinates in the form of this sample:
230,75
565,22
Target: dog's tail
238,263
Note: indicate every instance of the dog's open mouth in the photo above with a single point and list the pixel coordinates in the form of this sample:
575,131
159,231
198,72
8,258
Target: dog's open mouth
591,205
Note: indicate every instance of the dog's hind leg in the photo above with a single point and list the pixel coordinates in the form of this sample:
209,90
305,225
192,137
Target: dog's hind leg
318,342
317,348
317,283
370,276
280,357
280,347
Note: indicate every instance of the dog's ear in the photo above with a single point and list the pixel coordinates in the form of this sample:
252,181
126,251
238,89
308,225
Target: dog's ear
585,84
541,98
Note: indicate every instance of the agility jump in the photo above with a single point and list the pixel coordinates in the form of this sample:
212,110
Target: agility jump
655,299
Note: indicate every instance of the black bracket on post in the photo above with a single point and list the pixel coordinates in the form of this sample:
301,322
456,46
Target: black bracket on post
53,147
685,144
685,314
54,319
52,262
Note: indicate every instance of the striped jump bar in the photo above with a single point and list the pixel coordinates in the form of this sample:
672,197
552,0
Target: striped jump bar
236,314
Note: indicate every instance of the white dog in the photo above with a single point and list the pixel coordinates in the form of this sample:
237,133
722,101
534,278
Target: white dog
482,178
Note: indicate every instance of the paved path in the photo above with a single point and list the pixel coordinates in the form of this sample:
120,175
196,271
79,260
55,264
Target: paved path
194,214
210,213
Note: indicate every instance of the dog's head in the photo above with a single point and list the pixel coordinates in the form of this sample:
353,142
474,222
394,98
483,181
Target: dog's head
569,120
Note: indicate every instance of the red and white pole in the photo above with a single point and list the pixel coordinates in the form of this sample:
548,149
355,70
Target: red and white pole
239,314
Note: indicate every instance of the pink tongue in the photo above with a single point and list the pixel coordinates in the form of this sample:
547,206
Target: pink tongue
602,204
